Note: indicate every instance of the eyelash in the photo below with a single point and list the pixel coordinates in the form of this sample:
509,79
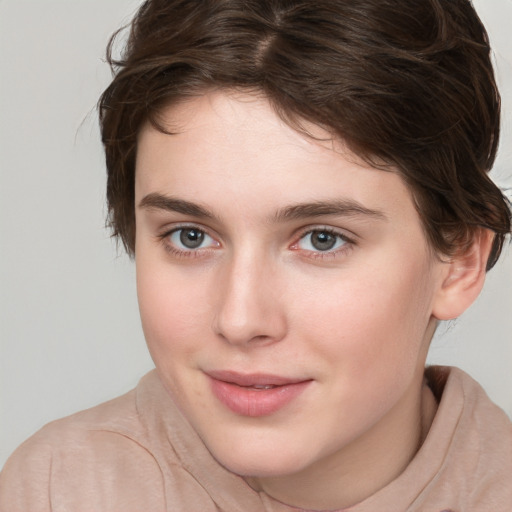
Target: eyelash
183,253
348,243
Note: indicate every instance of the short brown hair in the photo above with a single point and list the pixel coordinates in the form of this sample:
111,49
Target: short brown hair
406,83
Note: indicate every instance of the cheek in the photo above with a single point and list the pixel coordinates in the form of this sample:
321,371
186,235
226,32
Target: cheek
170,309
372,323
373,341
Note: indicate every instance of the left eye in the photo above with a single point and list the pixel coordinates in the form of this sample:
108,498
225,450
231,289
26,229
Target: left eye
189,239
321,240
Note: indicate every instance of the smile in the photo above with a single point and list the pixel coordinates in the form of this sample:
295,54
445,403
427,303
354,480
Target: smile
256,394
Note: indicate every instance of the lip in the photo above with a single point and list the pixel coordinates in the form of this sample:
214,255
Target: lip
236,391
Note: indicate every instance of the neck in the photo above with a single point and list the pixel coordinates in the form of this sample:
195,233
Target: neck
366,465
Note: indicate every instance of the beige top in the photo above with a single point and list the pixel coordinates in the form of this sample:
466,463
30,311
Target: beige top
138,453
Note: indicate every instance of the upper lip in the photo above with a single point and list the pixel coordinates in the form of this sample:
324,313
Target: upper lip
253,379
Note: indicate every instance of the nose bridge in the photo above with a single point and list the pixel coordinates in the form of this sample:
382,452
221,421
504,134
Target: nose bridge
248,306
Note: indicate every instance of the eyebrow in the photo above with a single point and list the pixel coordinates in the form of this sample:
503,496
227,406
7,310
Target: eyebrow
342,207
156,201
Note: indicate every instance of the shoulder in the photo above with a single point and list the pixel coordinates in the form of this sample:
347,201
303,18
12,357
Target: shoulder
477,439
89,433
98,459
484,436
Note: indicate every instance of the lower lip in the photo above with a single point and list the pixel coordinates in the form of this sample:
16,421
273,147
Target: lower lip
256,402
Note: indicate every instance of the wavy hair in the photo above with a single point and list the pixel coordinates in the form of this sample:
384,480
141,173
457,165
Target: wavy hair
407,84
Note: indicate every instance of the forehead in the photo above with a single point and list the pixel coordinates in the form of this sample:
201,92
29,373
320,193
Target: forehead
234,148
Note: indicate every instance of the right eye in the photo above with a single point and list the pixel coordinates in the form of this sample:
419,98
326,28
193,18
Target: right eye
190,239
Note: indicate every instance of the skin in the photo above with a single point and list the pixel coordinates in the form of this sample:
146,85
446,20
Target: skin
258,296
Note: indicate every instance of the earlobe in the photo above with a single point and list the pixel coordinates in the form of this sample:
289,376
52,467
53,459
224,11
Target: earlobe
463,278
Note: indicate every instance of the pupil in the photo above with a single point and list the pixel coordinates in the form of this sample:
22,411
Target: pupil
323,241
191,238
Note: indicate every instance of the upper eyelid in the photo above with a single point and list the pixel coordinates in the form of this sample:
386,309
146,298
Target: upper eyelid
343,233
167,230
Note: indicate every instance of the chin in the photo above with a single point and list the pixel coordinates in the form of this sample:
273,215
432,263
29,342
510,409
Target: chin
258,461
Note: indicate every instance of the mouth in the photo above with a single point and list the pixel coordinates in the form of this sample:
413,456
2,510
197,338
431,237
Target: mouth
255,380
255,394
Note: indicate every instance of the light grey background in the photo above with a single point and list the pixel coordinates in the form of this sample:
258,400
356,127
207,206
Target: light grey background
69,328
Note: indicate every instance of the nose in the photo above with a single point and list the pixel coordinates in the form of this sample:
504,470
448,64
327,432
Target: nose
249,308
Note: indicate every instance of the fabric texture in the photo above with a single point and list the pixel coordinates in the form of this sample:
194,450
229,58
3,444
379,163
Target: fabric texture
137,453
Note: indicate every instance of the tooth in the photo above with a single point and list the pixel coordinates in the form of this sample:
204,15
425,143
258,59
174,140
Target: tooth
261,386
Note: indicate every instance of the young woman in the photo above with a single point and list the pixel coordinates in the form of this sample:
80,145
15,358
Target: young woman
304,188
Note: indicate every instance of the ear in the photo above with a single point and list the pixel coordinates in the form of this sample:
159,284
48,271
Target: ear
463,278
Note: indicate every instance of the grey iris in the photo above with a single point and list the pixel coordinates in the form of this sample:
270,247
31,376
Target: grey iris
322,240
191,238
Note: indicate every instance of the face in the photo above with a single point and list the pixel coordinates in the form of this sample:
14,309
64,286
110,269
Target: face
286,289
